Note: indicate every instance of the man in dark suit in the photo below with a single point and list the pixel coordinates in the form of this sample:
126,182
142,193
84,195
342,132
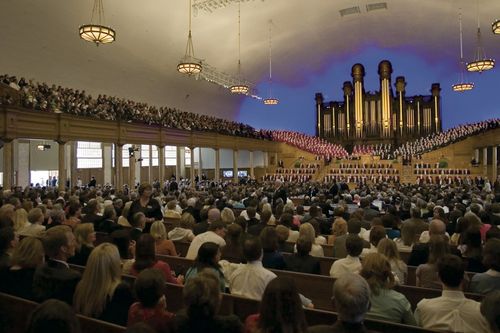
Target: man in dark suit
353,227
255,229
55,279
302,261
279,193
138,224
91,215
370,213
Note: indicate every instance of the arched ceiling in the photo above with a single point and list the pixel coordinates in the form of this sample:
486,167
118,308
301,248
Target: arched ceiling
39,40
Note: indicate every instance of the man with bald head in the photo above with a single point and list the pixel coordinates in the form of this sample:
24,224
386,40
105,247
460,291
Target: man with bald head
420,252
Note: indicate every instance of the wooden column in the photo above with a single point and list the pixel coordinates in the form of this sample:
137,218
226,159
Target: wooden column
7,164
161,164
235,166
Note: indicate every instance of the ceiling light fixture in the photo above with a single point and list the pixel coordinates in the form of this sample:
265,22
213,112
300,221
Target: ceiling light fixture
270,100
480,63
495,27
189,64
97,33
462,86
239,88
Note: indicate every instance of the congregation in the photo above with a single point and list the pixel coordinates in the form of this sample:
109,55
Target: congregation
240,237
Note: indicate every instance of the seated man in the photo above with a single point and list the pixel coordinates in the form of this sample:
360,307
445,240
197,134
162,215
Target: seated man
452,311
55,279
483,283
490,309
302,261
250,280
350,264
351,297
215,234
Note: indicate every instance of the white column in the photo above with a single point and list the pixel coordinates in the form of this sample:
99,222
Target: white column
150,163
138,155
69,156
217,164
200,165
61,179
7,165
235,166
252,176
161,164
119,166
178,163
107,163
485,157
476,155
191,169
23,162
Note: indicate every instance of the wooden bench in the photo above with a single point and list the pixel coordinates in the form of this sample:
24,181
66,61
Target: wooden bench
243,307
14,312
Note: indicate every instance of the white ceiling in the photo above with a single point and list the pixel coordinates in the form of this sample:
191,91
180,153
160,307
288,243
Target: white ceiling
39,40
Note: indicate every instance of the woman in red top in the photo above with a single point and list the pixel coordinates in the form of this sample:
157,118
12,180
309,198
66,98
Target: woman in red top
145,257
151,308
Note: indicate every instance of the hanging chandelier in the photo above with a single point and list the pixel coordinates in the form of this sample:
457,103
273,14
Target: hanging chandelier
462,86
189,64
97,33
480,63
270,100
240,87
495,27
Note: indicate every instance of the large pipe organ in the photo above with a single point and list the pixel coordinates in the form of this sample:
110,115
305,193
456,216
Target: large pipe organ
378,117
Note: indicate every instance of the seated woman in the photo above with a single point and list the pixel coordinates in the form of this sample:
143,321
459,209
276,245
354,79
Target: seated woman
233,251
183,229
281,293
427,274
152,307
18,279
126,248
35,227
339,228
386,304
272,258
145,257
163,245
202,300
85,238
388,248
307,230
488,281
208,258
101,293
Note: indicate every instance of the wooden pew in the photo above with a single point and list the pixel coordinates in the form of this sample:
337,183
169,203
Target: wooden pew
243,307
14,312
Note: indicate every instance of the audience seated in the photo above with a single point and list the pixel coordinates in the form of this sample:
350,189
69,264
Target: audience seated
488,281
53,316
8,242
427,274
208,258
85,238
351,298
490,307
386,303
202,299
17,279
215,234
351,263
388,248
250,280
452,311
151,306
302,261
272,258
183,229
54,279
101,293
280,310
163,245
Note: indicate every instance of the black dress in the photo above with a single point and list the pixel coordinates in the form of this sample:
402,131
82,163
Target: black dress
218,324
151,210
116,309
80,258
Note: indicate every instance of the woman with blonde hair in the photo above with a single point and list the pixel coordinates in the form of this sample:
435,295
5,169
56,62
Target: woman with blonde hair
20,219
85,238
35,227
101,293
227,216
183,229
163,245
18,279
307,230
388,248
339,228
123,219
386,304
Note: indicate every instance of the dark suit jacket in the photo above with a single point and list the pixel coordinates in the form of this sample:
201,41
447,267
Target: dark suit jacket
256,229
135,234
194,212
279,193
54,280
200,228
420,254
93,218
339,250
17,282
303,264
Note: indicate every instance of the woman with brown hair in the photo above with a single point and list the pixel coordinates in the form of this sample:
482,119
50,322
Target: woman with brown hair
339,228
386,304
281,310
427,274
388,248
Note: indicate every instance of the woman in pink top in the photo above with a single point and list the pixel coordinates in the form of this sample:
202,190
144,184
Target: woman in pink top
145,257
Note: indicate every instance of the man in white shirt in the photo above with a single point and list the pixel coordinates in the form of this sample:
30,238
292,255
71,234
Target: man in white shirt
250,280
215,234
452,311
351,263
